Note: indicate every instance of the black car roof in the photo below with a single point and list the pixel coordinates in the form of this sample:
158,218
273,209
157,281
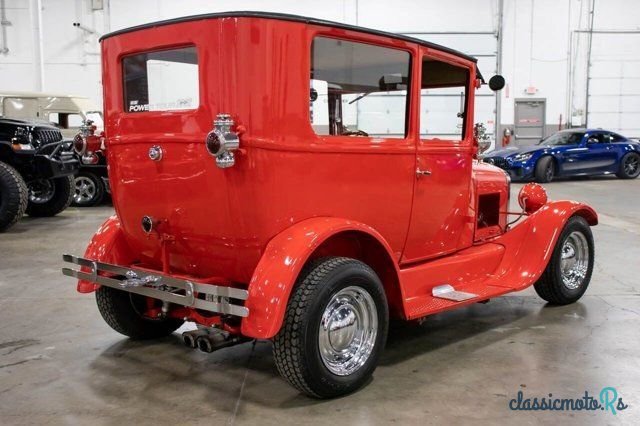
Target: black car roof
288,17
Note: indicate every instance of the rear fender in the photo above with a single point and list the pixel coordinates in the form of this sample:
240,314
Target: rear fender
282,261
107,245
530,244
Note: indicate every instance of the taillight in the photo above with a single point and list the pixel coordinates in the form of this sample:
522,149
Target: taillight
221,141
90,159
87,130
79,144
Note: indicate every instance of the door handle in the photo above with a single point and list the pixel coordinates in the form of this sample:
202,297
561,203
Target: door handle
423,172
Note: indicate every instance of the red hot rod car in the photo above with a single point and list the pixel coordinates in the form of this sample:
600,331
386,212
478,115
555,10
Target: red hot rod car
286,178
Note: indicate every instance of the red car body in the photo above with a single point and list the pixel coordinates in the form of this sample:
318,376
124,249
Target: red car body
407,207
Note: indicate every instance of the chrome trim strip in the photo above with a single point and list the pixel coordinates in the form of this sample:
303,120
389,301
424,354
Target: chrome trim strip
190,287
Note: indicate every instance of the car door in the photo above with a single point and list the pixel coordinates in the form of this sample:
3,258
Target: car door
443,158
600,155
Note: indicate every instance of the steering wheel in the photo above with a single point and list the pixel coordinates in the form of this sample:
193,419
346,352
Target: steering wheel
355,133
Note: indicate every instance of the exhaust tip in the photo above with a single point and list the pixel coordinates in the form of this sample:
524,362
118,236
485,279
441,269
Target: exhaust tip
188,340
204,344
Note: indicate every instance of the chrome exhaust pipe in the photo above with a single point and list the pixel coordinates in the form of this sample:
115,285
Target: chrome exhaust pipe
205,344
190,337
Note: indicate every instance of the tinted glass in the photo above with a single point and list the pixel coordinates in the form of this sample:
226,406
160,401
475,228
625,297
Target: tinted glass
161,81
563,138
358,89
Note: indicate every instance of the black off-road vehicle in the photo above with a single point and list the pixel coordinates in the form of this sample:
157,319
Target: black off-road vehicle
36,170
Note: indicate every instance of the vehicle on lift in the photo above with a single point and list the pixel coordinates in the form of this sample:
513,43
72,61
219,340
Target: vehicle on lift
571,152
92,180
36,170
316,206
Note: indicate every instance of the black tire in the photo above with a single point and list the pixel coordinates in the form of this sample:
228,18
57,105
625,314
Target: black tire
545,169
60,200
629,166
296,347
88,190
14,196
121,310
551,286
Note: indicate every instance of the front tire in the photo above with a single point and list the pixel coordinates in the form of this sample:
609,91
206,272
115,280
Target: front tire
545,169
122,311
335,328
629,166
88,190
13,196
568,273
48,197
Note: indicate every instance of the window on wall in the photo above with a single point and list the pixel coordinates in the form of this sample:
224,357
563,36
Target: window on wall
358,89
165,80
443,105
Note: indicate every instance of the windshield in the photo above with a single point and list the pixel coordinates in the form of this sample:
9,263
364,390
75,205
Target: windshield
563,138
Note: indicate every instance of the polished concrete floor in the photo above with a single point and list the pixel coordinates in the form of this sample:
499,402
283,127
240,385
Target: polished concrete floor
61,364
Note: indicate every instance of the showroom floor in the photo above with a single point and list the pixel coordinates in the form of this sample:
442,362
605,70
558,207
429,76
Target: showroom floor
60,363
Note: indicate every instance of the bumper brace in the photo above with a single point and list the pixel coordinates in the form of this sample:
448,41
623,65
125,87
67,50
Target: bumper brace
160,286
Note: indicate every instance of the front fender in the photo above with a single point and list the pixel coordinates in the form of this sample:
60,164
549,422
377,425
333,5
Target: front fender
107,245
522,264
280,265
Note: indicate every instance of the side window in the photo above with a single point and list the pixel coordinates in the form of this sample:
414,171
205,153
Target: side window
616,138
443,100
165,80
599,138
358,89
74,120
64,120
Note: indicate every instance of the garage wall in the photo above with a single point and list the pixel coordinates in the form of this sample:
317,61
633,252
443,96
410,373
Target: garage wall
541,55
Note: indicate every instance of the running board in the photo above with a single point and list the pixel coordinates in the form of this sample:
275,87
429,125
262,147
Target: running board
447,292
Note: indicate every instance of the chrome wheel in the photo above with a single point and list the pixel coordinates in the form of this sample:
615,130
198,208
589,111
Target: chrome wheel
575,260
85,190
41,191
348,330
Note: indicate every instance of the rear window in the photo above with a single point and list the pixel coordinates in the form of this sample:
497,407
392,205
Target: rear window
165,80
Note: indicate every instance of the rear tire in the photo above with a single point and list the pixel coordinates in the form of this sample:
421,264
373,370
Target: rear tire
45,205
335,328
14,196
545,169
122,311
568,273
629,166
88,190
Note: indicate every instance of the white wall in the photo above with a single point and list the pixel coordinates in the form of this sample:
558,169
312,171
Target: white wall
536,37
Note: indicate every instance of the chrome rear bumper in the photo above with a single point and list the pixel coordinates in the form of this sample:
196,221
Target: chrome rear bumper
160,286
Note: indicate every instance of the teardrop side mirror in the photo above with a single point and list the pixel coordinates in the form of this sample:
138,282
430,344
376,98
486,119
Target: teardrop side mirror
496,82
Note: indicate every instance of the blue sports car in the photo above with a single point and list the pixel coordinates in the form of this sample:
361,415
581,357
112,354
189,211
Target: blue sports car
571,152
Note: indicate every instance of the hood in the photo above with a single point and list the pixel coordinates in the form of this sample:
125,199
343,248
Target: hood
513,150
